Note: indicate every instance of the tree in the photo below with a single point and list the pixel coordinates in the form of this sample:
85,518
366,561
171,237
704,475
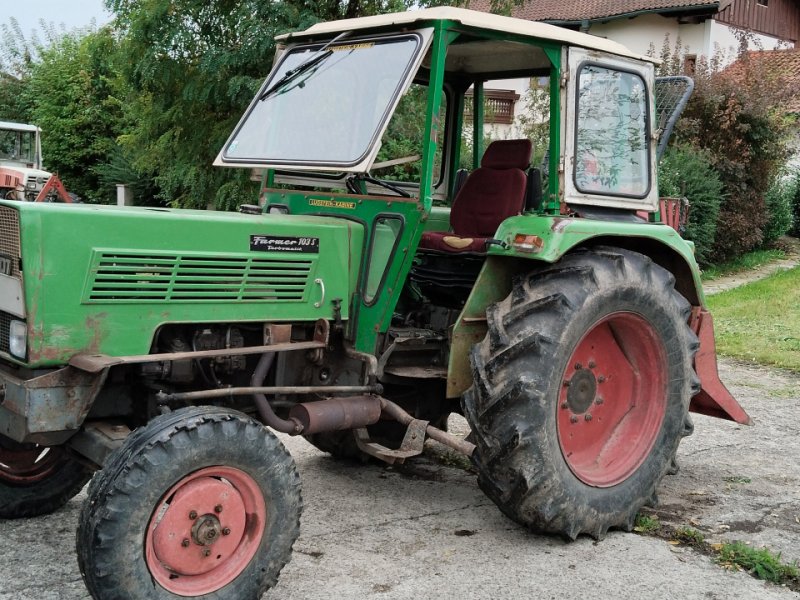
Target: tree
193,66
72,92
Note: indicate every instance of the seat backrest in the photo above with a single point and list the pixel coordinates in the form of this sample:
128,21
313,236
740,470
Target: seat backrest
493,192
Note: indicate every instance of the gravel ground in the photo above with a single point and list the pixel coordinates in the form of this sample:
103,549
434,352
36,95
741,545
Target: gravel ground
426,530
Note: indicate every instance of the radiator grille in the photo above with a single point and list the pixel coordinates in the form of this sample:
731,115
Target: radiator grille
180,278
9,237
5,326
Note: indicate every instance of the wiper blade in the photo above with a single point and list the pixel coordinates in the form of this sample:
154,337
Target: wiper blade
291,74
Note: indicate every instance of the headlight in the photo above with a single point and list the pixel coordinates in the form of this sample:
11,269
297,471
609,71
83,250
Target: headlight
31,184
18,339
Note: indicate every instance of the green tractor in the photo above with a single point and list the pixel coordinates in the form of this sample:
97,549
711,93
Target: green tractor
539,293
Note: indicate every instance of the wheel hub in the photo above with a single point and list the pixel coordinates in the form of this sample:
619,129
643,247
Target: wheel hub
206,530
582,391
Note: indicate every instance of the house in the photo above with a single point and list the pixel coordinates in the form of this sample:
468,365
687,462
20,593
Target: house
702,25
704,28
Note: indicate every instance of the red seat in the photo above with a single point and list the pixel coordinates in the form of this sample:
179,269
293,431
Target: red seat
491,194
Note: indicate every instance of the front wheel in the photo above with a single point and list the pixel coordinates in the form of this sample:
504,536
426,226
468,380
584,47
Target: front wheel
581,392
36,480
202,502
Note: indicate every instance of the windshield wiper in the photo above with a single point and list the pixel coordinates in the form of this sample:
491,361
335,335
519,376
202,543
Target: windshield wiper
291,74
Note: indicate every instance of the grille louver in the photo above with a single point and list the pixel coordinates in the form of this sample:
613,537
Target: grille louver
9,238
181,278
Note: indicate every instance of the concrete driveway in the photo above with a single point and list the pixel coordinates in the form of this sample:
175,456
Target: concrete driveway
425,530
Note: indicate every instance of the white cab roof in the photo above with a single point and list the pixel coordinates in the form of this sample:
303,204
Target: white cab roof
471,18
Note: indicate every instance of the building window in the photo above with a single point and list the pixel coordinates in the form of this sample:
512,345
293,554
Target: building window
498,106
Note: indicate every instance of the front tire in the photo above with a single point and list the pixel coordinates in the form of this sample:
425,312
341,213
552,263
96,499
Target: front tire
36,480
581,392
202,503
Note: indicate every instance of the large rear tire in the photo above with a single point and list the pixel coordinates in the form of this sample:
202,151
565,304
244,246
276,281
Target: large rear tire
581,391
36,480
200,503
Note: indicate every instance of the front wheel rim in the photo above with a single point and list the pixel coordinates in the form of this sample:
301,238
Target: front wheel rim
27,465
612,399
205,531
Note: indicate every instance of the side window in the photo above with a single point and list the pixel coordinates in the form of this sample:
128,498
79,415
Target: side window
611,146
385,233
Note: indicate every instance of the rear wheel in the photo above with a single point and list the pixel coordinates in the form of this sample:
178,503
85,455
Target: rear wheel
36,480
581,392
203,502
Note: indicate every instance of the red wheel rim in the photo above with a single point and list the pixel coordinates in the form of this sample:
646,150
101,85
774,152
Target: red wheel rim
205,531
28,464
612,400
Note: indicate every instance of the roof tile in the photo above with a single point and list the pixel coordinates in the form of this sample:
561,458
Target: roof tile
578,10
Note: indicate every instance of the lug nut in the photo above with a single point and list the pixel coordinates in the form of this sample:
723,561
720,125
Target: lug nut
193,515
218,508
206,552
185,543
564,405
601,379
588,417
592,364
573,419
578,366
566,383
599,400
226,531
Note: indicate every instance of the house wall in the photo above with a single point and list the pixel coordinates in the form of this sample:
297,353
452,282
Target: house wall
779,19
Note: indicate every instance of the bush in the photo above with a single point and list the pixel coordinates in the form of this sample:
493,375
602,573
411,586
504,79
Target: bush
795,230
779,200
686,171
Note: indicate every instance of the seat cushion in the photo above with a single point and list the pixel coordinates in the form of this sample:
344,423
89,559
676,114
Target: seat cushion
450,242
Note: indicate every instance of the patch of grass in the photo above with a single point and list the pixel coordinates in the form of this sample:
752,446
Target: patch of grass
646,524
760,322
751,260
759,562
689,535
737,479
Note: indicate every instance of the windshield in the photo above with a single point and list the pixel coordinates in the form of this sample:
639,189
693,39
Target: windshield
328,114
19,146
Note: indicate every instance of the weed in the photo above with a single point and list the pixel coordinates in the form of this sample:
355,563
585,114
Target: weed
737,479
646,524
689,536
759,562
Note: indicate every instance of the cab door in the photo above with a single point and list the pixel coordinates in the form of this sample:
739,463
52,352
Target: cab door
610,145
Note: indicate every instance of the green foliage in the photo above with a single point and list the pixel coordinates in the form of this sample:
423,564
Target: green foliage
759,562
736,115
646,524
795,230
779,202
73,94
689,535
193,66
534,121
687,171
